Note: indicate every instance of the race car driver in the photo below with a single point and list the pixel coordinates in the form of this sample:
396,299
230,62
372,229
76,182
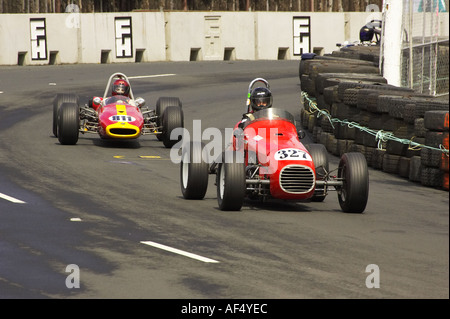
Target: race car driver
120,87
120,91
260,99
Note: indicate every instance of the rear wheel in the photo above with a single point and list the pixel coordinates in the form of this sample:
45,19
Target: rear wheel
161,104
171,119
230,180
61,98
354,192
319,155
68,123
193,171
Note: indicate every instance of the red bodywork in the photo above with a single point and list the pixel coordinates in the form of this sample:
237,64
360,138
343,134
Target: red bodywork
271,135
119,117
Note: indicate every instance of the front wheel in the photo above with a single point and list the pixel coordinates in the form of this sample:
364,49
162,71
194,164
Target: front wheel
354,192
61,98
171,119
161,104
193,171
230,180
68,123
319,155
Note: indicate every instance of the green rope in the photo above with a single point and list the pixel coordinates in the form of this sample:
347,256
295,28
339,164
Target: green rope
380,135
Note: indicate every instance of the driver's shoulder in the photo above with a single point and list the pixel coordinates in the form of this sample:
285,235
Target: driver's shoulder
250,116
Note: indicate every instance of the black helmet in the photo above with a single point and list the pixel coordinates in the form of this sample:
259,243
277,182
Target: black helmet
366,34
261,98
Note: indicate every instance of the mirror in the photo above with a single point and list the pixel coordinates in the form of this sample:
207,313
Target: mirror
140,102
301,134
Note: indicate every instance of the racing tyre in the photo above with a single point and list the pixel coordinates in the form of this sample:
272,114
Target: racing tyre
172,118
61,98
354,192
68,123
161,104
230,181
319,155
193,171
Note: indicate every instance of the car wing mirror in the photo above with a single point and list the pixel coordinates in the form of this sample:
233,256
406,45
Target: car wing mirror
140,102
95,102
301,134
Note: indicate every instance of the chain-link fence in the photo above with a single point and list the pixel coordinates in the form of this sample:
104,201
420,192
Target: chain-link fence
425,50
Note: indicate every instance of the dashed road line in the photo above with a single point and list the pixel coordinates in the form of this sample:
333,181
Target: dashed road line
139,156
11,199
180,252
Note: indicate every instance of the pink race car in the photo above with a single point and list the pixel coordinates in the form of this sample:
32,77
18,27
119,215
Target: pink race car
116,115
266,159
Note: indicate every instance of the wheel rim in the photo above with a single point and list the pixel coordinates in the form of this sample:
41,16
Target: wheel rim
221,181
344,185
343,194
185,168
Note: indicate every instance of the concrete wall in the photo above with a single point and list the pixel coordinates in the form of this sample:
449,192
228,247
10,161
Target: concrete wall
98,33
172,36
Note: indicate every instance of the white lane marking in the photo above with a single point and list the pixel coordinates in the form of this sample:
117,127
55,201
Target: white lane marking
180,252
11,199
150,76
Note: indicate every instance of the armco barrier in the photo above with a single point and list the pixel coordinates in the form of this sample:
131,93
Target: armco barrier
348,107
64,38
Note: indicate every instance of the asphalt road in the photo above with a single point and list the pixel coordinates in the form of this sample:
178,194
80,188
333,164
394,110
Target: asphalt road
90,206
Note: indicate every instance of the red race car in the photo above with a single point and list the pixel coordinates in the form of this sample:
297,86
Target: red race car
116,115
266,159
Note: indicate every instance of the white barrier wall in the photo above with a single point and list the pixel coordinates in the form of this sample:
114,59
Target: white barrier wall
120,37
17,39
205,35
33,39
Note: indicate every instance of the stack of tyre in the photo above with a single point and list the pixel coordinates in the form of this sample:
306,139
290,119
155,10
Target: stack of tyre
367,53
352,89
434,164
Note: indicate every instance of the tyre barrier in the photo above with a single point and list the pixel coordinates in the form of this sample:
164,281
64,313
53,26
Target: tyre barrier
349,107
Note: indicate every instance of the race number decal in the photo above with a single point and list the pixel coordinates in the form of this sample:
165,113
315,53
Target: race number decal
292,154
122,118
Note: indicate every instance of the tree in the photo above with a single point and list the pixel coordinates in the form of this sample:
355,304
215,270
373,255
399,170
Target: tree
50,6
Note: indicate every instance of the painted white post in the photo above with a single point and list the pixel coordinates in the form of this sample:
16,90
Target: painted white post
392,41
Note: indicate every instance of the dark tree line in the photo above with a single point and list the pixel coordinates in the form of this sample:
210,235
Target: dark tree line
57,6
